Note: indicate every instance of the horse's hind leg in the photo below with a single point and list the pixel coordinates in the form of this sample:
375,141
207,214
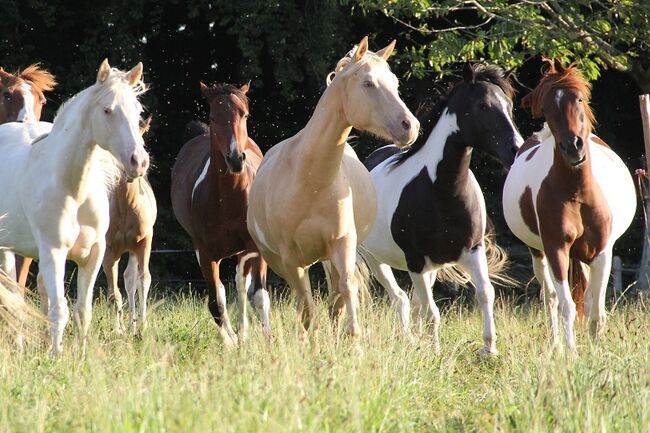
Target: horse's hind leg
384,275
131,285
422,283
143,255
298,280
475,264
256,267
242,280
540,268
8,263
110,269
600,269
335,302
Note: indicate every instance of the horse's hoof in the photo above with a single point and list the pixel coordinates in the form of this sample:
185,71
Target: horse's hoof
488,353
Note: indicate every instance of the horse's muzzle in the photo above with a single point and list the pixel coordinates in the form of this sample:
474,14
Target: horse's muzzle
235,161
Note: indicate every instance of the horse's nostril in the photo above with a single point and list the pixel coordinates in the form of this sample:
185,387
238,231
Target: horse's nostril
406,124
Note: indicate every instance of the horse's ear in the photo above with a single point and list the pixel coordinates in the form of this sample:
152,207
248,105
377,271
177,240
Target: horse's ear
104,71
245,87
385,52
558,65
205,90
361,50
135,74
468,73
145,124
4,75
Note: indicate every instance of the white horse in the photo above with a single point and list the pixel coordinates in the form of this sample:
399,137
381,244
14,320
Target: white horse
56,187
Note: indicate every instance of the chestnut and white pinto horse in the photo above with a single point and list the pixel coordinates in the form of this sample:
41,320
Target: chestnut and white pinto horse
55,200
431,211
312,199
568,197
22,93
21,100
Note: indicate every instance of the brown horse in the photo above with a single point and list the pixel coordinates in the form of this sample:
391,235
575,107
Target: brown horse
132,217
22,93
211,180
568,197
21,100
313,200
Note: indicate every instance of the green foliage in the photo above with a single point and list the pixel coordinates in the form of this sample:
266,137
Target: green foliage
599,34
179,378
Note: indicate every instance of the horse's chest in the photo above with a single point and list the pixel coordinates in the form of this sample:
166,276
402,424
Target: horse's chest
430,222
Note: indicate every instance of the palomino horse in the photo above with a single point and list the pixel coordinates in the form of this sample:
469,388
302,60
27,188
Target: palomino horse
431,211
55,198
132,217
22,100
22,97
568,197
313,200
211,182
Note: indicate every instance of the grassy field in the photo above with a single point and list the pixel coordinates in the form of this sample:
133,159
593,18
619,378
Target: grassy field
180,379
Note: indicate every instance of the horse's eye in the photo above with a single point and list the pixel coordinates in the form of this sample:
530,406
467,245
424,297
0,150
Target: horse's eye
483,106
580,100
369,84
108,110
7,95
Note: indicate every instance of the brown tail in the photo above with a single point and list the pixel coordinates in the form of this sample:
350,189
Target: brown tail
578,282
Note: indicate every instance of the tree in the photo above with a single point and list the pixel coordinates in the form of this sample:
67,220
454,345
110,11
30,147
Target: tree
599,34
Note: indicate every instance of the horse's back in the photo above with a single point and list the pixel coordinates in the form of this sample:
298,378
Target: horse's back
189,164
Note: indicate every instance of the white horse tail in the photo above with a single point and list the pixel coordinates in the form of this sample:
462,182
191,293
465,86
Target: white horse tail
497,261
21,318
578,282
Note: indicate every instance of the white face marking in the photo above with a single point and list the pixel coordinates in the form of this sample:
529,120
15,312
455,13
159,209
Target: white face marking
204,173
504,105
198,257
26,114
232,147
558,96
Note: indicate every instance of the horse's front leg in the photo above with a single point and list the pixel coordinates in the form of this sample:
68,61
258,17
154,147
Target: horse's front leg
558,261
600,269
540,268
110,264
475,264
8,263
425,304
343,258
86,276
144,278
256,267
52,268
131,284
217,298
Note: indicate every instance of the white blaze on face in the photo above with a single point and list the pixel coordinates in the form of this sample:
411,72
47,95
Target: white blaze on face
232,147
518,139
26,114
558,97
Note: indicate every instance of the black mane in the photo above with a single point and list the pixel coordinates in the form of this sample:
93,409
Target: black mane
473,74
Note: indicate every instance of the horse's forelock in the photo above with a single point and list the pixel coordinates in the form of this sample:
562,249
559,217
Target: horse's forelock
225,89
39,77
342,65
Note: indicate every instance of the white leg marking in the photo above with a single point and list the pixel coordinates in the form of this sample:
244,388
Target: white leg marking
598,276
540,268
475,264
568,309
428,309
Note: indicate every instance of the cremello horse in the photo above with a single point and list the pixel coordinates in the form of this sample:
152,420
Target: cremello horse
312,199
56,187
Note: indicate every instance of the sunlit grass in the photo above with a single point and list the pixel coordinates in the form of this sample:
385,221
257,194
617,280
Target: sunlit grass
179,378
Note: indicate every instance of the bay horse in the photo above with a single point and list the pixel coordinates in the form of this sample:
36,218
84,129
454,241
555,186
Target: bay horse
55,201
312,199
431,211
568,196
22,100
133,214
211,182
22,93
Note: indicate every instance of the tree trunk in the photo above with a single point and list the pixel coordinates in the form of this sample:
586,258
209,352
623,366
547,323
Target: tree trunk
643,278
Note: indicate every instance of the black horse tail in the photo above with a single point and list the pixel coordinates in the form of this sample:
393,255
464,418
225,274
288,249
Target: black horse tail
193,129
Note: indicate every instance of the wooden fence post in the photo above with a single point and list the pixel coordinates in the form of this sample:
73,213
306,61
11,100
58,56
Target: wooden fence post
643,278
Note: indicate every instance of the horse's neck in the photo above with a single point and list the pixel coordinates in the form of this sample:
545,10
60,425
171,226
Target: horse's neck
74,156
574,180
446,155
322,141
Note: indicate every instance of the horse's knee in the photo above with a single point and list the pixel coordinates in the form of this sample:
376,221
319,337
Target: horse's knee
59,314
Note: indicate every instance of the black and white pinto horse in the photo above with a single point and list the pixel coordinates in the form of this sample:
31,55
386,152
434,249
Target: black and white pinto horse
430,209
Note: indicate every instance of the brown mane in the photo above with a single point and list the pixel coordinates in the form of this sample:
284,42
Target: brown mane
556,76
37,76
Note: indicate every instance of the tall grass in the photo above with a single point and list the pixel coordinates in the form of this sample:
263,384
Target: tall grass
179,378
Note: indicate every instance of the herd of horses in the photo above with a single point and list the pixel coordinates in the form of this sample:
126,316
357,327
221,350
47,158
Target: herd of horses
76,189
